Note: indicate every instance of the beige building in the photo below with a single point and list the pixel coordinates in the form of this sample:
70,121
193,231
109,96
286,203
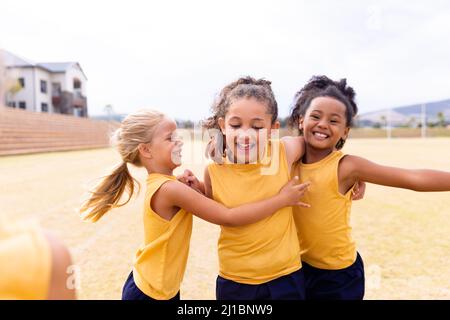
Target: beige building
51,87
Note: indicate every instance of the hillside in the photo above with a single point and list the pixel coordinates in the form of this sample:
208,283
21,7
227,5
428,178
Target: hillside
408,115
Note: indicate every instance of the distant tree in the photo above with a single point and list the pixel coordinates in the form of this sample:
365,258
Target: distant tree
284,122
356,122
383,121
412,122
14,87
441,119
376,125
188,124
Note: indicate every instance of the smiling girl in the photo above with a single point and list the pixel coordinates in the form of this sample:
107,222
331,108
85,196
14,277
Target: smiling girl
148,139
260,260
323,112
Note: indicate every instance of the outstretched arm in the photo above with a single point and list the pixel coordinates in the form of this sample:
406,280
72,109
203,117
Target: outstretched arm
182,196
355,168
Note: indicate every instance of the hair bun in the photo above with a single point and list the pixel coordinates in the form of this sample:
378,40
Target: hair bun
348,91
263,82
252,81
342,84
320,82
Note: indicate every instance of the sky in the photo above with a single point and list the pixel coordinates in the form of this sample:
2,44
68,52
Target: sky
175,56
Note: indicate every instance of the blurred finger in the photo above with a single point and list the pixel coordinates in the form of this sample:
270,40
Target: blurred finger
303,186
294,180
304,205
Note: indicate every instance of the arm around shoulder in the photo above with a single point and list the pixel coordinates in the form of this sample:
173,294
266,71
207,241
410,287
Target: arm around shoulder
179,195
295,148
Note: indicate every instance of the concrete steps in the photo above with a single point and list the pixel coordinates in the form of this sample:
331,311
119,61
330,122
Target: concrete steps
24,132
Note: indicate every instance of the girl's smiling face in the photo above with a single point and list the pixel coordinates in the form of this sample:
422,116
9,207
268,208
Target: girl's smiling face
324,123
247,126
166,144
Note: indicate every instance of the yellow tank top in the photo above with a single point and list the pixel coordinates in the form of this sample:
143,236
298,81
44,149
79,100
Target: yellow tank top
25,262
265,250
324,230
160,263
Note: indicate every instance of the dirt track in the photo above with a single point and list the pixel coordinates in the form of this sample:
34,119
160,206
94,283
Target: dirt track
403,236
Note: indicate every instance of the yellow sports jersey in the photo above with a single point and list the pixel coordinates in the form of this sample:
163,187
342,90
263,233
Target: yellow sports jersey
265,250
160,263
25,262
324,230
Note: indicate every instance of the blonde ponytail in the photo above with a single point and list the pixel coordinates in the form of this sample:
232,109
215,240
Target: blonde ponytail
108,192
135,129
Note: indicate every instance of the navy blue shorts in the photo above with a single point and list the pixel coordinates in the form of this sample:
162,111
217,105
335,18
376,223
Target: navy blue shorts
288,287
132,292
344,284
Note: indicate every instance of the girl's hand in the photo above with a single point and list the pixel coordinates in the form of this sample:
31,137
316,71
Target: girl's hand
359,190
189,179
292,192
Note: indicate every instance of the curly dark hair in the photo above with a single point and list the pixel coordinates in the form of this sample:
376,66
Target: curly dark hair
322,86
245,87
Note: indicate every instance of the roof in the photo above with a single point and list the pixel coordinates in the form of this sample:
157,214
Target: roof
57,67
11,60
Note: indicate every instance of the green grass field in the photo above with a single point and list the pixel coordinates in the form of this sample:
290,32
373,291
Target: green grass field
403,236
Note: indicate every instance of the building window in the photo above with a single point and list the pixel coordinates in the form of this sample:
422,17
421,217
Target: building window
76,84
21,82
43,86
22,105
12,104
44,107
56,89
